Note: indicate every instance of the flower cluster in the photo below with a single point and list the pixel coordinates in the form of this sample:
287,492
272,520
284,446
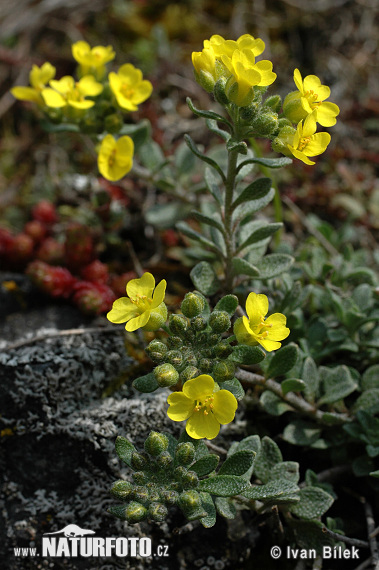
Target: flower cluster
229,70
94,103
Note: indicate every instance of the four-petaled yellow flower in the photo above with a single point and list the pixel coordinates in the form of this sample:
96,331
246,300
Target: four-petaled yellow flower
129,87
221,46
115,157
310,98
92,60
67,91
203,406
143,308
256,330
306,142
38,77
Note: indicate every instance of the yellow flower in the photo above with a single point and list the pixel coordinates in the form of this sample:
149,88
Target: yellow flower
227,47
115,157
38,78
206,72
306,142
310,98
246,74
68,92
143,308
203,405
256,330
92,60
129,88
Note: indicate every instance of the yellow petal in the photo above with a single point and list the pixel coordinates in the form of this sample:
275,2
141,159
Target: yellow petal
122,310
243,332
310,126
199,388
130,74
63,85
326,114
142,91
27,94
270,345
80,104
317,144
142,286
80,50
137,322
267,75
201,425
180,408
39,76
256,307
278,331
53,98
125,149
298,80
301,156
159,294
225,405
88,86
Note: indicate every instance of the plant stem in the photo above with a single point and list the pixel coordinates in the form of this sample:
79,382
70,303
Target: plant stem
229,237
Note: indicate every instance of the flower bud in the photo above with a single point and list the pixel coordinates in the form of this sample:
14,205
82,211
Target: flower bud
190,503
266,123
174,357
157,318
170,496
222,350
205,80
198,323
178,324
192,305
191,360
154,495
141,494
158,512
156,350
139,478
185,453
166,375
155,443
188,373
223,370
121,489
249,113
138,461
292,107
284,138
179,472
274,102
219,321
284,123
190,480
174,341
113,123
135,512
219,91
164,460
213,339
206,365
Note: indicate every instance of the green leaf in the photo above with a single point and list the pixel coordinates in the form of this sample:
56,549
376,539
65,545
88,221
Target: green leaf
238,463
370,378
184,160
273,404
314,502
300,432
309,535
223,485
283,360
243,267
269,162
337,384
172,443
207,220
251,442
254,192
368,401
225,507
362,466
295,297
209,507
234,386
247,355
146,384
61,128
208,114
213,126
274,264
372,474
234,145
287,470
205,464
163,216
259,235
244,211
152,156
204,278
203,157
228,303
212,184
272,491
192,234
124,450
292,385
311,379
268,456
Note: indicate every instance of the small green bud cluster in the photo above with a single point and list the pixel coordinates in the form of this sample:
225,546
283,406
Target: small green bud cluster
195,345
161,478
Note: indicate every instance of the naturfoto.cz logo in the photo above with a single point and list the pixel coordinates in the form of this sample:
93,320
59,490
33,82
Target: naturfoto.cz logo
74,541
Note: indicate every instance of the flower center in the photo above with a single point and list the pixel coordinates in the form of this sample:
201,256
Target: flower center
143,302
261,329
312,98
111,161
303,143
205,405
127,91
